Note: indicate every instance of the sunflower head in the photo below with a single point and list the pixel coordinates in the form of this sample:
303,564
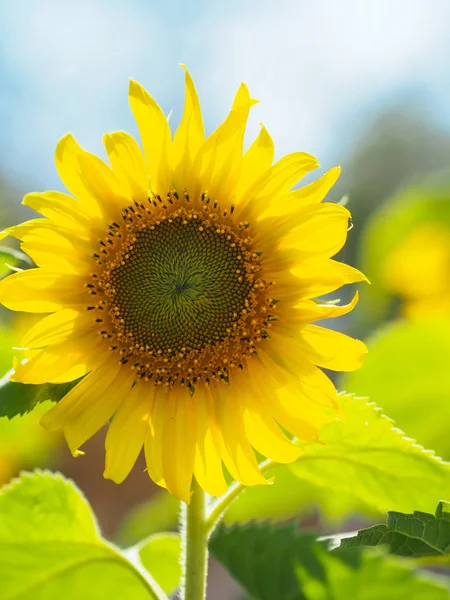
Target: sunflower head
183,292
180,284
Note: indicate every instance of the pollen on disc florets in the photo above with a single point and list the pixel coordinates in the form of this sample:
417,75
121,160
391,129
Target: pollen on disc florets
179,291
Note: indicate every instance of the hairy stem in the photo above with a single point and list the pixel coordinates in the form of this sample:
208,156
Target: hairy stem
195,546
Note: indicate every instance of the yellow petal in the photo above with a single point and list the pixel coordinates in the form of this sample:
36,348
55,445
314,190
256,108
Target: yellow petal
322,232
92,387
58,251
156,137
89,179
319,277
288,406
127,432
62,210
153,442
55,328
284,356
299,415
256,161
128,164
208,464
40,291
316,191
61,362
95,411
314,385
274,183
312,193
265,435
188,138
303,376
20,231
46,231
218,162
179,437
331,349
308,310
237,453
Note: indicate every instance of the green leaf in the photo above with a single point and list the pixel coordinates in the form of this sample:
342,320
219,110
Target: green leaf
160,554
263,557
282,563
288,497
369,575
364,454
20,398
417,534
443,510
10,258
369,465
50,546
406,373
370,536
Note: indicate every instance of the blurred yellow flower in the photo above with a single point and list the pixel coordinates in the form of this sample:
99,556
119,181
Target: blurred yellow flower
7,469
418,271
180,284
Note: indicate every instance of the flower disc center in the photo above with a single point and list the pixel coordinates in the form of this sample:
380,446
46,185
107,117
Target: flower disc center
179,291
180,286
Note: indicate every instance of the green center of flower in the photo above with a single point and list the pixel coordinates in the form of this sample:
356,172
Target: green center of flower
181,286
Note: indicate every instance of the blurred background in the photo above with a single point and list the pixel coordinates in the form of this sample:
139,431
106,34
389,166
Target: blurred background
364,85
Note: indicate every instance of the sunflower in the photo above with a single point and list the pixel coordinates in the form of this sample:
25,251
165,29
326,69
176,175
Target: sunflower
179,284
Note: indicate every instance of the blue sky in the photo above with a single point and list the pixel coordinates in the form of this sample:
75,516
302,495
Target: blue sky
321,69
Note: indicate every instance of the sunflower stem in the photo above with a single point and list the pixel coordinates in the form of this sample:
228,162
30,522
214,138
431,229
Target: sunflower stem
195,546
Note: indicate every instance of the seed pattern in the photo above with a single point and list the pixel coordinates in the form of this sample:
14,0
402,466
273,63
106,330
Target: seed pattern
181,286
180,293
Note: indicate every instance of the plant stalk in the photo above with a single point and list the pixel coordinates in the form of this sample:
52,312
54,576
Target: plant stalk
195,546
